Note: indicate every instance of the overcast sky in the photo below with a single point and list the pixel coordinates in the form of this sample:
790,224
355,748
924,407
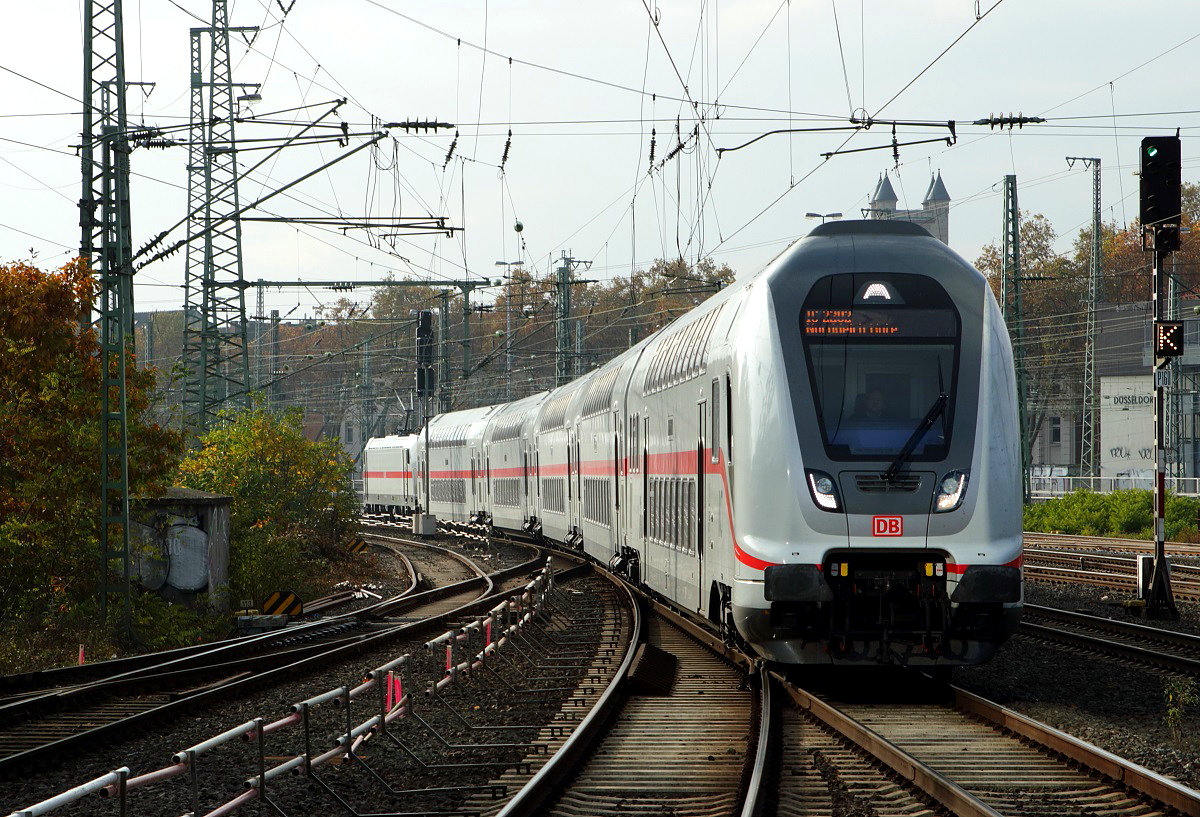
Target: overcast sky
582,86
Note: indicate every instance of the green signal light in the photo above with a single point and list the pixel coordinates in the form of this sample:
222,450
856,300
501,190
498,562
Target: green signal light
1152,151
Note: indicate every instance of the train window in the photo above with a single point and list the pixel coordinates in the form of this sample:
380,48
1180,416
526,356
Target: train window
652,504
677,512
634,451
645,442
882,355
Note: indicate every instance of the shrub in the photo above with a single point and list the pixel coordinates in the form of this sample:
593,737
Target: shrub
1127,513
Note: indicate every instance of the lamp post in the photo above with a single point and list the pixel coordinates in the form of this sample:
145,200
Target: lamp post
823,216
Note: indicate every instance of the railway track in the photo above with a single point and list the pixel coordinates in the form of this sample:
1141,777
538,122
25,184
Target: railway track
1113,544
37,723
1106,562
627,738
589,634
678,739
907,754
1166,650
970,757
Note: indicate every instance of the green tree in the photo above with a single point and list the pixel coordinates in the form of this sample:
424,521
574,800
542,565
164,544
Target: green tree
293,502
50,450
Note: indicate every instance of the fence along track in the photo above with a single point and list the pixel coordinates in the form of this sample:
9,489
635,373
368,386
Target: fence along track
376,691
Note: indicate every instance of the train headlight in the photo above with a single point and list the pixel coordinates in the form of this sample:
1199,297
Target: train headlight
951,491
824,491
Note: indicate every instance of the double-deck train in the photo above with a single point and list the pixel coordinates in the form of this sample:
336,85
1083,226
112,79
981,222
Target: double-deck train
822,459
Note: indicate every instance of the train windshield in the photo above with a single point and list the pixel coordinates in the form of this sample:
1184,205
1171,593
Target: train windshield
882,351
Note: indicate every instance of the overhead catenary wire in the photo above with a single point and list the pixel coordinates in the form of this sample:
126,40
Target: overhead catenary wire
695,224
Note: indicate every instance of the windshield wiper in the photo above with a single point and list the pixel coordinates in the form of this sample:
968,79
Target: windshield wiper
939,405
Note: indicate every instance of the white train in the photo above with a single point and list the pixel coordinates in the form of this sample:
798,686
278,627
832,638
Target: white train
823,457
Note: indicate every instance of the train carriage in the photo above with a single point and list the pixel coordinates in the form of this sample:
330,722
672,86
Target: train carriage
556,464
821,459
604,459
671,408
453,453
509,464
897,536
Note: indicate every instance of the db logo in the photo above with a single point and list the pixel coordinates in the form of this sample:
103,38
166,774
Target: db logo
887,525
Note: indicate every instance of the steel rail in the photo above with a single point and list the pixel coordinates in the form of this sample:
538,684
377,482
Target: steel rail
1096,643
580,741
284,672
937,786
1138,778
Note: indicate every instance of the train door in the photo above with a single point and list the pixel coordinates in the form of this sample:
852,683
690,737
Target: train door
618,481
526,498
473,502
408,481
645,455
577,508
698,506
568,510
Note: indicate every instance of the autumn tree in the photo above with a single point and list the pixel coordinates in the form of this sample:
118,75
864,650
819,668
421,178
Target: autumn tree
514,341
1054,291
1126,268
294,506
50,447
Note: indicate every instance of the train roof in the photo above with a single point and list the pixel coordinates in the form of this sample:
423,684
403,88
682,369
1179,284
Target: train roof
870,227
392,441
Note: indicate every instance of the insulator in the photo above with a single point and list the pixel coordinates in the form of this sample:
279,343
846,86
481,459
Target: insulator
450,152
507,145
653,142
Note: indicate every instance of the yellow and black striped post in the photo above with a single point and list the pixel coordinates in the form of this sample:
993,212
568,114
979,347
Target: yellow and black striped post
283,603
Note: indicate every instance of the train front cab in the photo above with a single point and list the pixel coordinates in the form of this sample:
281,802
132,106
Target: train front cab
911,514
388,483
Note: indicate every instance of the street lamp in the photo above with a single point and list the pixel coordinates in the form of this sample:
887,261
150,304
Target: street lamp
824,216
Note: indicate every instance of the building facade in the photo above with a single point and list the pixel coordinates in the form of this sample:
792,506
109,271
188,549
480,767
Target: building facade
934,214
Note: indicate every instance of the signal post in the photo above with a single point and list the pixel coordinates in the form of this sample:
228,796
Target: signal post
1161,205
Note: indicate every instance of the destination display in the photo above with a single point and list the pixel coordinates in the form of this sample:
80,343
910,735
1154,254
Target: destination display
871,322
